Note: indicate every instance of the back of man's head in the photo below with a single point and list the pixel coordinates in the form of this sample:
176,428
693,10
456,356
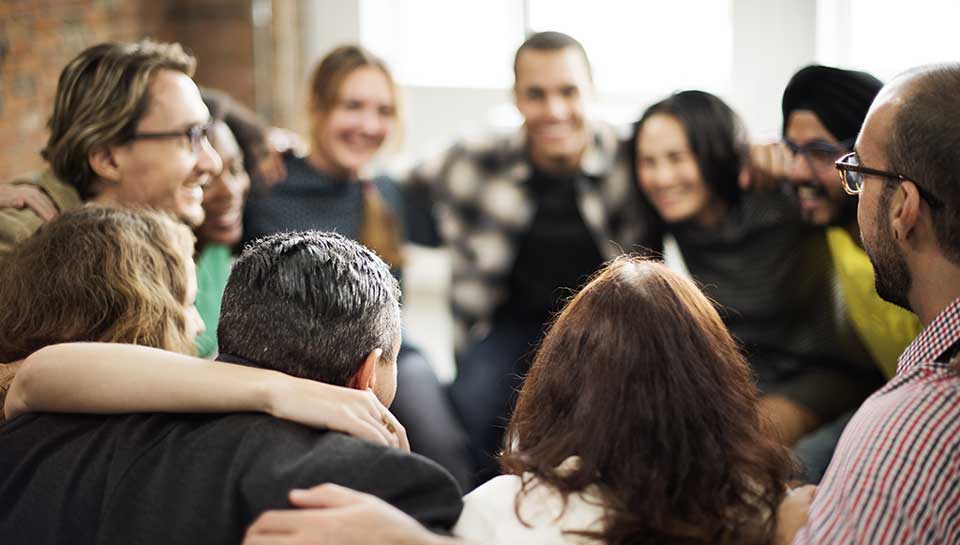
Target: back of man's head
310,304
551,41
923,144
101,95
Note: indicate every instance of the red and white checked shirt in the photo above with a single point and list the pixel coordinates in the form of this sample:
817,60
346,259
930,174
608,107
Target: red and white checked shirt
895,476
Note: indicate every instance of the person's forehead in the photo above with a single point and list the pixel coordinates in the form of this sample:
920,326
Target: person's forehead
805,126
877,126
366,83
538,67
223,141
174,101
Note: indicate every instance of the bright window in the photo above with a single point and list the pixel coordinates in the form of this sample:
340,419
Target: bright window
886,37
445,43
636,48
651,48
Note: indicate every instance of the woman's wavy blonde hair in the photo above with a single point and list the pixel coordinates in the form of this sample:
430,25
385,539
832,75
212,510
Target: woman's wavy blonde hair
97,274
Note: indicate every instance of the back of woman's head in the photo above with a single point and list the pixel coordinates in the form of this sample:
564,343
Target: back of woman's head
97,274
640,379
715,133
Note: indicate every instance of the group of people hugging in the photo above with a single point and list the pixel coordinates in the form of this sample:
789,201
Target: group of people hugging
662,336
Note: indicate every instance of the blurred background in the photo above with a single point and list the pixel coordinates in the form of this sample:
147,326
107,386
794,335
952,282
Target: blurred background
453,61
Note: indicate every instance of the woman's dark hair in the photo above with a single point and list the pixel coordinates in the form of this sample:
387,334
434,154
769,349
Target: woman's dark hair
715,134
640,379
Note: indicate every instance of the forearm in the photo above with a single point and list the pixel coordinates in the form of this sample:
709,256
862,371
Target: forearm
117,378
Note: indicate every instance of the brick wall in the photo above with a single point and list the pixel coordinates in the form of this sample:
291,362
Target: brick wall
38,37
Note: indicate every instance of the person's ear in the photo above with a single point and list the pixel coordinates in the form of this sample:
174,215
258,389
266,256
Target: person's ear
104,164
366,378
905,210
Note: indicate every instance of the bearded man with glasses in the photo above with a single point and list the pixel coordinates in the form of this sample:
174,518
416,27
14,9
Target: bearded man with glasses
823,109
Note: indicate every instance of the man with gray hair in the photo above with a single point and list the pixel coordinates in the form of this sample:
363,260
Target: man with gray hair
309,304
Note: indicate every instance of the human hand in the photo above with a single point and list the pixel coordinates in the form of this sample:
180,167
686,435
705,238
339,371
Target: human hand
769,166
355,412
793,513
28,196
279,141
336,515
788,421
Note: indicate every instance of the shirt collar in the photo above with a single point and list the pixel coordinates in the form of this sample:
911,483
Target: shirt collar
934,340
598,158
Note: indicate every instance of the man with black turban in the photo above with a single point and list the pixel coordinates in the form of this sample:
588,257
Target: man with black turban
823,110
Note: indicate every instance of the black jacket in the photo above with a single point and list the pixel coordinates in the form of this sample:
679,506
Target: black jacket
171,479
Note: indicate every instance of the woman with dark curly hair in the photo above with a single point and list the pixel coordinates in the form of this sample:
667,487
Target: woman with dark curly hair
638,423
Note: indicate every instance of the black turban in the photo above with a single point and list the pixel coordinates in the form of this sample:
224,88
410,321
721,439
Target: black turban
839,98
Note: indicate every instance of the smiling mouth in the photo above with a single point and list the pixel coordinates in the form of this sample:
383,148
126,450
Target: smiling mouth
226,219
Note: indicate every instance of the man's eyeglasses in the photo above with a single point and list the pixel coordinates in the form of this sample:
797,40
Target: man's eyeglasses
195,135
852,175
820,153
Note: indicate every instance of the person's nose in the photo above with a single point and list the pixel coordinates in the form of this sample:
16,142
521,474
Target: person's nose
208,160
557,109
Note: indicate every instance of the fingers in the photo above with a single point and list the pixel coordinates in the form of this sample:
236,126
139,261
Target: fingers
20,196
41,205
278,523
271,169
399,432
388,422
325,495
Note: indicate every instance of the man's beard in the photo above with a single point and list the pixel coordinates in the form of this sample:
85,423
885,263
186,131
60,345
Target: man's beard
890,273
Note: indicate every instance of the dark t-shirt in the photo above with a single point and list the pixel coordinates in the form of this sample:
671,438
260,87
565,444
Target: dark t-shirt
311,199
169,479
555,256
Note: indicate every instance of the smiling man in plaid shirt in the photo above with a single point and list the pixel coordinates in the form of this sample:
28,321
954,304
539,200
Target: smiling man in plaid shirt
895,477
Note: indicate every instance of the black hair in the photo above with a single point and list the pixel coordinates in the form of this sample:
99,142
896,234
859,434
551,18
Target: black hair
715,134
551,41
311,305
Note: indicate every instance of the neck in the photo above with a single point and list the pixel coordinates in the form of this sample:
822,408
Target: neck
561,165
318,161
935,285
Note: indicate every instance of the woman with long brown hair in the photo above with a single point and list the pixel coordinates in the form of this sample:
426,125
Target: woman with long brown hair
117,286
353,112
638,423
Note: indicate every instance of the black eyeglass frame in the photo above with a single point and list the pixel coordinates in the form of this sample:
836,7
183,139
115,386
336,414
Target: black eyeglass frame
824,147
195,135
843,166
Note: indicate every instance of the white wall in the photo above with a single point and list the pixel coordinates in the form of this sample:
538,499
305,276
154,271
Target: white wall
772,38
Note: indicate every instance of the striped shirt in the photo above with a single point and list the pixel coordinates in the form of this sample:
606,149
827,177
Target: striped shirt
895,477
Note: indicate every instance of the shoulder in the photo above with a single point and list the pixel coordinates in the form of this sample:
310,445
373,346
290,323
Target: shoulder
490,514
479,155
280,456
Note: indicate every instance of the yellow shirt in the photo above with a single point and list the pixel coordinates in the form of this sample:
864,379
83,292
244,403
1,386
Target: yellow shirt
884,328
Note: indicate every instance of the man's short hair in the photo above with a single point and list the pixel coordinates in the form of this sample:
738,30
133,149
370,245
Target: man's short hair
101,96
923,145
551,41
311,305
